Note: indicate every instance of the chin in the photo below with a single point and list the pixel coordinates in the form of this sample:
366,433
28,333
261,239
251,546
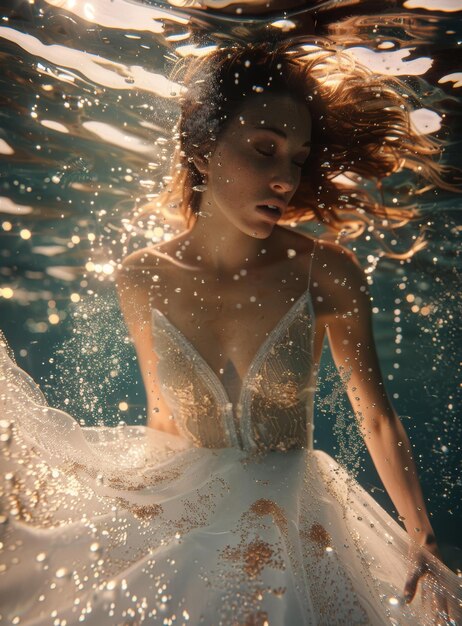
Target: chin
261,232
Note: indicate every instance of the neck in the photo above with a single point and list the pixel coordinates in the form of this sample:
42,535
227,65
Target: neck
224,248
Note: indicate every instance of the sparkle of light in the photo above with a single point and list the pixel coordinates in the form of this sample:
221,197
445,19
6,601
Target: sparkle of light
7,293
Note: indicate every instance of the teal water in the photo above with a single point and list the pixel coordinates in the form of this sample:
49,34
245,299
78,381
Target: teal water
85,137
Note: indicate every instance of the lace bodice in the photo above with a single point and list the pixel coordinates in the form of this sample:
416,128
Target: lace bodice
274,409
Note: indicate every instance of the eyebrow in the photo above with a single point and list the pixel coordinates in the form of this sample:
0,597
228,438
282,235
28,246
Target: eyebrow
278,131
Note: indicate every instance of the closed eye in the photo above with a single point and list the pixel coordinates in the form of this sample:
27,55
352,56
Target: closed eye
270,154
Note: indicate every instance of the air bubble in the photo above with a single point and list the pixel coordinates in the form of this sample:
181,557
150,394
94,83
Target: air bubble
61,572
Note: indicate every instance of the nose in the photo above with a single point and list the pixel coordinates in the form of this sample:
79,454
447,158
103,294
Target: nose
283,183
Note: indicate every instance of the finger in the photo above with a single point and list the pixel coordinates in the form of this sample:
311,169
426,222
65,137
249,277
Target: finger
411,585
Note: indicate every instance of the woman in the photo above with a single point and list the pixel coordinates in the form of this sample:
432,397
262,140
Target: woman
221,512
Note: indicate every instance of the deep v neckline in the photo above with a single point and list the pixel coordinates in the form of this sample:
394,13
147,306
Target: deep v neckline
262,349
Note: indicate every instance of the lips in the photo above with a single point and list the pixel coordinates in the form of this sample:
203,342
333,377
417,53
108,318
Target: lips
273,213
273,208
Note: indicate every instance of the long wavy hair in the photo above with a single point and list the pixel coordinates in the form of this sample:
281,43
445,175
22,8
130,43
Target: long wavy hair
362,131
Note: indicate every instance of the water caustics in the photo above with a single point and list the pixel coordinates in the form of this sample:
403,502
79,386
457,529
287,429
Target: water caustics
88,111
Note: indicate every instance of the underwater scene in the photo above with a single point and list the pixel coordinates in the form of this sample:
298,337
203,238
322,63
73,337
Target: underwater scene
88,114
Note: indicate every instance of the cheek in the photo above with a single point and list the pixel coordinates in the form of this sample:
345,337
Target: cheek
236,172
237,159
229,168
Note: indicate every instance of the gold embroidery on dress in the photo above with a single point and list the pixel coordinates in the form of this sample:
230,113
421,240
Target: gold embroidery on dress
142,512
320,538
276,398
263,506
254,557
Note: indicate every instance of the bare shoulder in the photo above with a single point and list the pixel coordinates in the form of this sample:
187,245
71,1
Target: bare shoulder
141,278
146,258
142,267
329,258
339,283
337,259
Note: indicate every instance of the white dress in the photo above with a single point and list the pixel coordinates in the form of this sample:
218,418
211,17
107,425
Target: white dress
239,521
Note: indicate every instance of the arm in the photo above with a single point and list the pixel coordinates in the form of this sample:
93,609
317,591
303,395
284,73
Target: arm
349,329
134,298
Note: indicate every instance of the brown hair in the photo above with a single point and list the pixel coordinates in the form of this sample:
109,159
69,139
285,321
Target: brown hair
362,130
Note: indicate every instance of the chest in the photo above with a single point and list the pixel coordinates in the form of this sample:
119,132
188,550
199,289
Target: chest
280,364
228,320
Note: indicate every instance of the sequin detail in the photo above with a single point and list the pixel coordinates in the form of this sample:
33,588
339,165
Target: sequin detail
275,406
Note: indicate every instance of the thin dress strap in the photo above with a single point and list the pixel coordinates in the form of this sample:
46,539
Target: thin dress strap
311,263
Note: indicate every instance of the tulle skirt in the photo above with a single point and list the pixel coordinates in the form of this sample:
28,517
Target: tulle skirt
130,525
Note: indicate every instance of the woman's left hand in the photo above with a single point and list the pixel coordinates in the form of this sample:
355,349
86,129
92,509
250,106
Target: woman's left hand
422,569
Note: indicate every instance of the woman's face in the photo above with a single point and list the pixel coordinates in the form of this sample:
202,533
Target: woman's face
255,168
